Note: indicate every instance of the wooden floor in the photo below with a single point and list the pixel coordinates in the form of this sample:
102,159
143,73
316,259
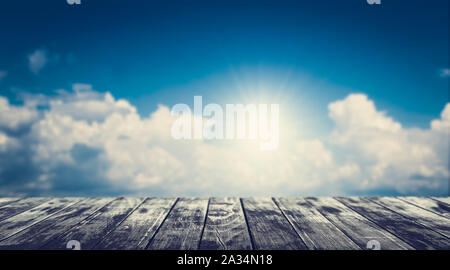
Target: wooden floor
226,223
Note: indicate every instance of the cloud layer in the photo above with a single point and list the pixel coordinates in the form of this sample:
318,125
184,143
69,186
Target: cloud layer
89,143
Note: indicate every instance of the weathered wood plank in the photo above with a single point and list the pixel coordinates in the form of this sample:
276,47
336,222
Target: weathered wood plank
316,231
269,228
39,234
5,201
355,226
20,206
426,218
227,223
21,221
225,226
442,199
411,232
93,229
429,204
183,227
138,228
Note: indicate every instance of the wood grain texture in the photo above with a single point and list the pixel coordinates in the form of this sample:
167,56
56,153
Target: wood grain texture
93,229
268,227
442,199
43,232
225,226
183,227
355,226
316,231
411,232
20,206
428,219
225,223
5,201
21,221
429,204
138,229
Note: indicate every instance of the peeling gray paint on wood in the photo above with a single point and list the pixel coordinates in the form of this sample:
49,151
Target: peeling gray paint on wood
94,228
183,227
53,227
268,226
316,230
442,199
5,201
19,222
403,227
355,226
139,227
12,209
429,219
438,207
225,227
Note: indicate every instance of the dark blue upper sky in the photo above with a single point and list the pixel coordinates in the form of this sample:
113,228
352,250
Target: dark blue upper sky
152,52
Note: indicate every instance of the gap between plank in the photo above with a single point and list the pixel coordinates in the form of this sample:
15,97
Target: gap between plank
45,201
10,202
252,241
204,223
337,227
406,201
160,225
120,222
373,221
143,237
290,223
437,200
412,219
78,223
47,217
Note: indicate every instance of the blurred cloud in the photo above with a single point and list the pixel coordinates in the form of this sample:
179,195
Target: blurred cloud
445,72
14,117
389,155
37,60
89,143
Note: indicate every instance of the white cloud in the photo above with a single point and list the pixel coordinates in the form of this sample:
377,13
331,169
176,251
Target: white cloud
445,72
6,142
357,112
91,137
443,124
13,117
37,60
88,105
388,154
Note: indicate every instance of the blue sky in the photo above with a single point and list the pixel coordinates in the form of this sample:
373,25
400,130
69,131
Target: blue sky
308,54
